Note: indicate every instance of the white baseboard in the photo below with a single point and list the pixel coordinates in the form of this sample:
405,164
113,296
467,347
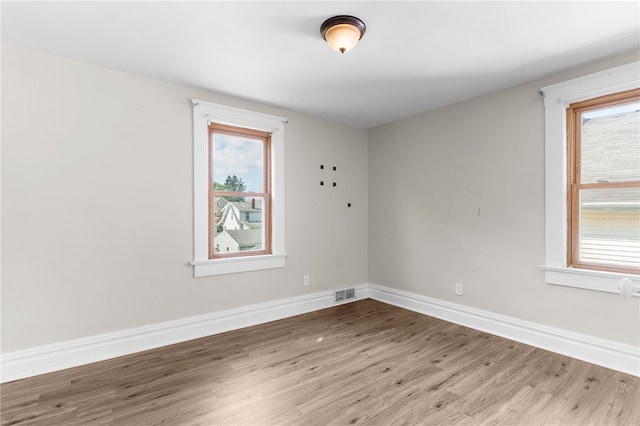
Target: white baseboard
606,353
45,359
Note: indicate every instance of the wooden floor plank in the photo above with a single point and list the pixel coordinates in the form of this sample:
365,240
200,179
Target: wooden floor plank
361,363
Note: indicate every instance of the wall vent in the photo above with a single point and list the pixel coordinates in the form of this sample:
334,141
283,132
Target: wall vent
344,295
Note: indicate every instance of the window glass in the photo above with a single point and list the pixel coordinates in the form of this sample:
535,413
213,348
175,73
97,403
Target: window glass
238,163
239,225
609,226
610,144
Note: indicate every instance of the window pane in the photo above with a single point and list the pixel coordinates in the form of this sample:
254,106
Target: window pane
237,163
610,144
610,226
238,224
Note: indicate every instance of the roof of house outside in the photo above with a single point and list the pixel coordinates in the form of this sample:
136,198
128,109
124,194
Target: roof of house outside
611,147
610,150
245,206
246,237
252,225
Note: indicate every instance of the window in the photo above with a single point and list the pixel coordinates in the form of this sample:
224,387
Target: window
580,195
603,142
239,163
238,179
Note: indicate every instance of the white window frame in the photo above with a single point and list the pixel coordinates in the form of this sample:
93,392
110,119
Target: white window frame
204,113
557,98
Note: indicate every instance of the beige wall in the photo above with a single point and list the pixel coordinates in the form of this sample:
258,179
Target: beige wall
97,204
470,180
97,207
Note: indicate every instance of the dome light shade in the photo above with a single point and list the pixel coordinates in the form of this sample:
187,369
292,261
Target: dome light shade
342,32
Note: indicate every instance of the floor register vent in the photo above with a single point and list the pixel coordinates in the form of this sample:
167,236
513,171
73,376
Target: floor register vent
344,295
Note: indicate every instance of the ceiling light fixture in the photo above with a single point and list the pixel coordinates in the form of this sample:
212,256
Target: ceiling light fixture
342,32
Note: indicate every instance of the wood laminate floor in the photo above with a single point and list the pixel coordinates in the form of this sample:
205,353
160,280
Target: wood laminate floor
360,363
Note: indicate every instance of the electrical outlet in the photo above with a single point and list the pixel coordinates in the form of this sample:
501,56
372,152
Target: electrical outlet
458,289
306,280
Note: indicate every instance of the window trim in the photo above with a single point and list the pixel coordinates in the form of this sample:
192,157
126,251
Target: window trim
557,98
205,112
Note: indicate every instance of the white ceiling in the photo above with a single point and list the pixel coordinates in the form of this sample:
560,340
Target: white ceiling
415,56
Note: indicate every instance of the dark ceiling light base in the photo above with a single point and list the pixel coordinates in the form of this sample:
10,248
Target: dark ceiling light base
342,32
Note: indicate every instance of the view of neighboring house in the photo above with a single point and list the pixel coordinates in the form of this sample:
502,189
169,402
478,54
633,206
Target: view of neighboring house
238,224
